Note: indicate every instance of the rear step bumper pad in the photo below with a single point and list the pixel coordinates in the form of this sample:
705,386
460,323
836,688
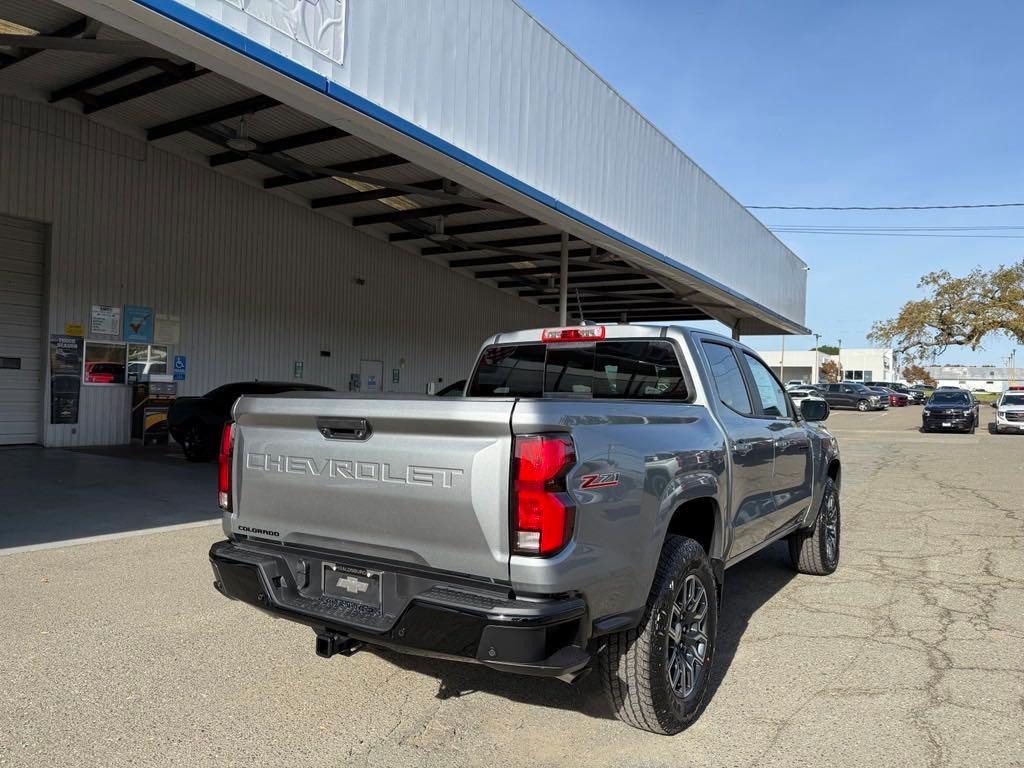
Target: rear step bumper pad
534,637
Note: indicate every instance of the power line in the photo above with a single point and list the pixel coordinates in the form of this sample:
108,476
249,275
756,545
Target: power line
795,231
880,207
844,227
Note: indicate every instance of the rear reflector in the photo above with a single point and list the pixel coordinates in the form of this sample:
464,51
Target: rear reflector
543,510
575,333
227,448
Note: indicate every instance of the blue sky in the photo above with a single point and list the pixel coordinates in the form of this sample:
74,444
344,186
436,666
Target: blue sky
833,103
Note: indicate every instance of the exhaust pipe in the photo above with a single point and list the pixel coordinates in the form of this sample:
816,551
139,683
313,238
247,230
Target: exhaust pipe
330,643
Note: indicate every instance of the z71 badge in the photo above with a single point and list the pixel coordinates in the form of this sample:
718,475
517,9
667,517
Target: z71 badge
603,480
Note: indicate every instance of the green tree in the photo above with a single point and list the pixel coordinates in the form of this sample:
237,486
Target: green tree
826,349
958,311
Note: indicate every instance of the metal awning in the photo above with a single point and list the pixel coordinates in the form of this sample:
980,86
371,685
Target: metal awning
49,51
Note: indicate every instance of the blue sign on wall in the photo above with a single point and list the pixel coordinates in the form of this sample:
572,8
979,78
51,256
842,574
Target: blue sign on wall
138,324
180,367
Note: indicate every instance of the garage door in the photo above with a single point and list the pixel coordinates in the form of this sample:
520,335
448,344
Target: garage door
22,248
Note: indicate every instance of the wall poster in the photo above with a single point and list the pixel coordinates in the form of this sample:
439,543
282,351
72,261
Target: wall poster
65,378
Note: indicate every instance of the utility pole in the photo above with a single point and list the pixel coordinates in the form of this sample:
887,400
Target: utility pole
839,354
816,378
782,362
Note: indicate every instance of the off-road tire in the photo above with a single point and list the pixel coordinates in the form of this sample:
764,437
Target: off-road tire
808,548
634,665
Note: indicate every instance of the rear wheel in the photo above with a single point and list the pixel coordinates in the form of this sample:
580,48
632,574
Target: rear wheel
656,676
863,405
196,444
815,550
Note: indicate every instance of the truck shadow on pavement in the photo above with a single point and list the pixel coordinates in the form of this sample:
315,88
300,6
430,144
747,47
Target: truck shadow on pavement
748,586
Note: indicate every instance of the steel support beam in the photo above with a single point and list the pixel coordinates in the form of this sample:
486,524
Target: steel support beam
76,27
512,242
317,136
412,213
215,115
180,74
485,261
75,90
372,194
563,282
469,229
354,166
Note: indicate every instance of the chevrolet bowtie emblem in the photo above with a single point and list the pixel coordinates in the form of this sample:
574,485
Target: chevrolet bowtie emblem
352,584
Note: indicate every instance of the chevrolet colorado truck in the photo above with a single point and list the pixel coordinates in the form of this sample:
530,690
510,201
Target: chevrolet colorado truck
576,510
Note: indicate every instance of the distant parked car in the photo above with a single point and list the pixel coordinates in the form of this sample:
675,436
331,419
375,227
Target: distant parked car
893,398
795,383
196,423
851,394
1009,412
950,409
914,394
802,392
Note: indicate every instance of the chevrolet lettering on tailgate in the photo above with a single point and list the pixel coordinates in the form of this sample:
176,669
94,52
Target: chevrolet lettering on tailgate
346,469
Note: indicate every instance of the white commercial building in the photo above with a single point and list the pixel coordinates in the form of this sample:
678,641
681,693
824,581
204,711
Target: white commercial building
346,192
976,377
856,364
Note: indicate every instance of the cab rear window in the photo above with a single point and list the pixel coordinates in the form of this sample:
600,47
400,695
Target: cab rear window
625,370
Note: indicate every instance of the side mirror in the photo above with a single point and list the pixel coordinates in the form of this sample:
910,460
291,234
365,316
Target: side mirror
814,410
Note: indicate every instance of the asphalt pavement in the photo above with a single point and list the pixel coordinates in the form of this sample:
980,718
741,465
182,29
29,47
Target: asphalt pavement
120,653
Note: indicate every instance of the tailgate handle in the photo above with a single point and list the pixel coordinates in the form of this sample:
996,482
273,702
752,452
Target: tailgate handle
344,429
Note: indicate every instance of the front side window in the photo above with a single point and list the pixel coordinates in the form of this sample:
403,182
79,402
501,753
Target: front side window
732,390
773,397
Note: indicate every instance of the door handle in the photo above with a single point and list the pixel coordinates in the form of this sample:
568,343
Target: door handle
344,429
742,449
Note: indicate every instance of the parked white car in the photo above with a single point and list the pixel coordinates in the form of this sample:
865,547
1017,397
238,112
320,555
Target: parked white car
1010,412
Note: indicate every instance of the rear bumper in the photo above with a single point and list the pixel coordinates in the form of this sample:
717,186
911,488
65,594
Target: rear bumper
421,613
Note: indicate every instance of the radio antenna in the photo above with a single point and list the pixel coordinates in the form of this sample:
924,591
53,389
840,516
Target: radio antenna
579,305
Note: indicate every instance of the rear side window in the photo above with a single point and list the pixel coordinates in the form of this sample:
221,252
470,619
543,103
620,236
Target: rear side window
627,370
732,390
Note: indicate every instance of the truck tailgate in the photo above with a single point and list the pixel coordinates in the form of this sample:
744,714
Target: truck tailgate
417,480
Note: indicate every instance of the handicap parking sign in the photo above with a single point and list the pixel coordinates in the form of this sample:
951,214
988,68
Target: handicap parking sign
180,367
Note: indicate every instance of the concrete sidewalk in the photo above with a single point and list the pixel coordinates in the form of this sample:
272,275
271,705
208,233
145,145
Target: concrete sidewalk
53,495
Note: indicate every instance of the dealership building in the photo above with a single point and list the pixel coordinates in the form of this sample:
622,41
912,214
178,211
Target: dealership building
352,193
869,364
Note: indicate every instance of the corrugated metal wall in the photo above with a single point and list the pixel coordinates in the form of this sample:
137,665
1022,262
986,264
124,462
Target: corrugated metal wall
257,281
487,77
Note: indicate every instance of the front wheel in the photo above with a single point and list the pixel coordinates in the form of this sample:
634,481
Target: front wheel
815,550
863,405
656,676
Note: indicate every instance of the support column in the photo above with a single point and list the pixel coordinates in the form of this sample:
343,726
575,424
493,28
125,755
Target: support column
563,282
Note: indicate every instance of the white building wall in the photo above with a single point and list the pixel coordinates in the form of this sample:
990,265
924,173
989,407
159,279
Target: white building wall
258,282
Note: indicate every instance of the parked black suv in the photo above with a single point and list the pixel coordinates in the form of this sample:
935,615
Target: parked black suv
851,394
950,409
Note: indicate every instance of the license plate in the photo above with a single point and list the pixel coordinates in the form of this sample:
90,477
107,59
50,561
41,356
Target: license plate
355,584
947,424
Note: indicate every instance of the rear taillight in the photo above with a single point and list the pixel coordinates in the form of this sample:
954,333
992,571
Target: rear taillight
227,448
543,512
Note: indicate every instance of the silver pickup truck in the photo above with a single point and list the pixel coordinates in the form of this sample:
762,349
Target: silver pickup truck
577,509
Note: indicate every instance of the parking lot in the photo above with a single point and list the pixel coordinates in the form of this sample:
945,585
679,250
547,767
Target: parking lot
121,653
